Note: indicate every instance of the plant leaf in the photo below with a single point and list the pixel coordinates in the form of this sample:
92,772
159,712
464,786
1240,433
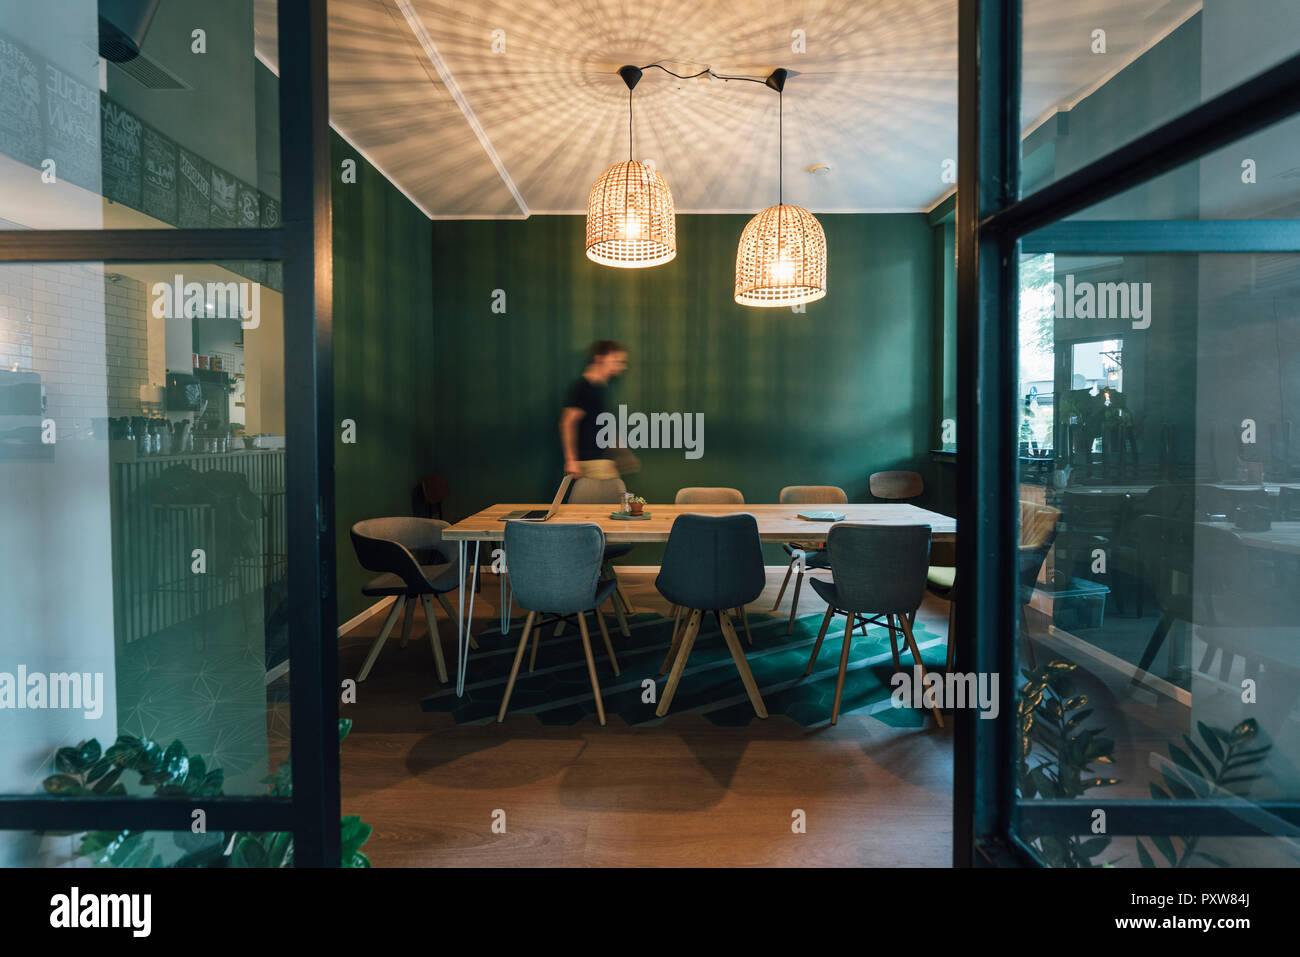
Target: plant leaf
63,784
1166,847
1143,856
1211,740
1177,787
68,761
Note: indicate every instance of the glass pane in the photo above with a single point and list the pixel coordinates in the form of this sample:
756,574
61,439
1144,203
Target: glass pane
136,115
143,573
1160,540
1097,77
1257,177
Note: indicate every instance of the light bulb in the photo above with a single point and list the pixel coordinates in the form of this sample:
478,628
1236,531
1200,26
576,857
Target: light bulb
632,227
782,271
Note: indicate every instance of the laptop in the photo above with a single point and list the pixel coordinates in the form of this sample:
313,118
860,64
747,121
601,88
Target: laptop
540,514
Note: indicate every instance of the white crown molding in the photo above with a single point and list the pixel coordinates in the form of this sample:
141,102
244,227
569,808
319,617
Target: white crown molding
1074,99
275,70
453,88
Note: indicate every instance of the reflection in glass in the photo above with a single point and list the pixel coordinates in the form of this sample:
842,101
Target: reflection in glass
115,117
143,575
1162,629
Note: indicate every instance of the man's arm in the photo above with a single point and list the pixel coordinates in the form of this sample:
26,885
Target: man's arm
569,419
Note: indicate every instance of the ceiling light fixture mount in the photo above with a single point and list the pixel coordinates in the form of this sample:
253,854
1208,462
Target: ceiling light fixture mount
631,220
781,259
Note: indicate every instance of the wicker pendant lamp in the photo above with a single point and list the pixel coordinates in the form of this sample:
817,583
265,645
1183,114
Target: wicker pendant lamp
631,222
781,260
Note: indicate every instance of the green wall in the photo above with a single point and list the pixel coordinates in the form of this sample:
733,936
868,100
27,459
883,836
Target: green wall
827,397
384,357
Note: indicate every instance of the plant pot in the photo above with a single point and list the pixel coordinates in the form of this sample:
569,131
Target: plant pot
637,507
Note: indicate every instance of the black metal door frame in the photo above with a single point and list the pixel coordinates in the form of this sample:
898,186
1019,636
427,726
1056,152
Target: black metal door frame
994,224
303,244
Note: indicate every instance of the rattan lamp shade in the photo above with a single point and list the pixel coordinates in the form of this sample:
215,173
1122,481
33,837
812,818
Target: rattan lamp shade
781,260
631,222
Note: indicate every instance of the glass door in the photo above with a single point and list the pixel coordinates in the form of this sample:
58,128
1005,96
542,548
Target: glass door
165,560
1125,193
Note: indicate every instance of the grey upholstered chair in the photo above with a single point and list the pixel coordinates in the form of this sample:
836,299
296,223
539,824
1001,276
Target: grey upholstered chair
711,563
814,553
587,491
555,573
896,485
705,495
708,495
387,546
879,571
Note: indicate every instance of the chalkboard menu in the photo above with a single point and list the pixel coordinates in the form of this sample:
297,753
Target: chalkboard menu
225,199
123,152
72,127
270,220
20,104
158,179
194,191
47,113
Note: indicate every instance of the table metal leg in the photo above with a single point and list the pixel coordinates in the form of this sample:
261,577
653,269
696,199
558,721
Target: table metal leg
466,625
507,602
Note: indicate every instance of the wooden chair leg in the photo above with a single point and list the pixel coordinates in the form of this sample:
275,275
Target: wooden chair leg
622,619
514,669
406,623
820,635
622,597
744,620
844,670
781,594
537,640
591,667
431,622
679,663
893,643
604,633
391,620
916,656
452,615
794,603
673,643
742,665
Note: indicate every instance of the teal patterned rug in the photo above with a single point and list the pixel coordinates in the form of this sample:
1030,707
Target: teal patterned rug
559,691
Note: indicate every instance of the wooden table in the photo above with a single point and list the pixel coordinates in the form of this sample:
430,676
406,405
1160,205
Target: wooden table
776,523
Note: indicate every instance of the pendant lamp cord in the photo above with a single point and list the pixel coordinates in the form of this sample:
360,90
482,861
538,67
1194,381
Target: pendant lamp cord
629,124
780,149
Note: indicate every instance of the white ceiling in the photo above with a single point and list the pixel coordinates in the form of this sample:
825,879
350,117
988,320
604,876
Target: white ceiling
467,133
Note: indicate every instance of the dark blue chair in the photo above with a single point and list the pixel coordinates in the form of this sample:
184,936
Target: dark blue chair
880,570
711,564
555,574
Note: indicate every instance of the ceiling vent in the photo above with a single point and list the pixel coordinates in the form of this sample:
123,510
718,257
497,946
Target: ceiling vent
122,28
149,74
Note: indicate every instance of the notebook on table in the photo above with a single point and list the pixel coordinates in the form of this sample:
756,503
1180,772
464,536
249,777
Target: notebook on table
822,516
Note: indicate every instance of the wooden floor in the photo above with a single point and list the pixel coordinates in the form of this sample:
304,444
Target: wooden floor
683,793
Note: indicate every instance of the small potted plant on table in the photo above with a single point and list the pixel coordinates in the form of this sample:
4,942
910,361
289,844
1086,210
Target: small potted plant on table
636,504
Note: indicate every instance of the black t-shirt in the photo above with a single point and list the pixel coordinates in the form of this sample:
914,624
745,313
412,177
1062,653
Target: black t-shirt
590,398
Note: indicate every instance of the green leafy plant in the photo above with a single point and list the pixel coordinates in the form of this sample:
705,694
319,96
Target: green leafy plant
1057,754
173,772
1199,773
